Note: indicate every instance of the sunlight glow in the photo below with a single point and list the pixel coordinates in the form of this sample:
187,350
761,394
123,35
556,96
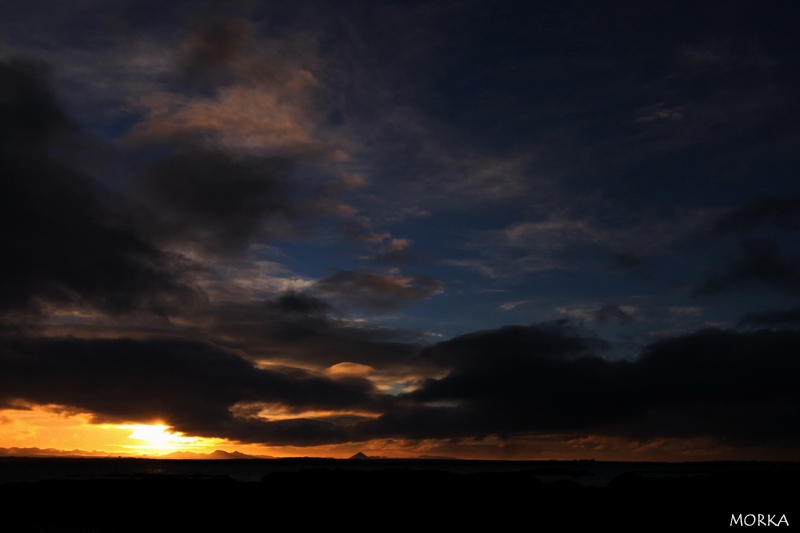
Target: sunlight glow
158,438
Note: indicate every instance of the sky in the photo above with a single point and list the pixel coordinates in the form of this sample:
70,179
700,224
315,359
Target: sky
556,230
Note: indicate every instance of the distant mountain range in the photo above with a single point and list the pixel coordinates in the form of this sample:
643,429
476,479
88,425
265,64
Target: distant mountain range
216,455
361,456
52,452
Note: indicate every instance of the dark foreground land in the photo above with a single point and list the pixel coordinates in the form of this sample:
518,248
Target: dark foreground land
400,498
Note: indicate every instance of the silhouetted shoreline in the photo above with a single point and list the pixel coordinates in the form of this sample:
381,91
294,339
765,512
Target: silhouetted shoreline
323,492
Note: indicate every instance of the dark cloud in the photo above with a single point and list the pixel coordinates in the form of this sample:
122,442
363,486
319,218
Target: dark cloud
519,378
215,199
63,239
299,329
188,385
378,291
299,304
222,49
732,387
216,42
789,317
557,339
30,114
780,211
735,387
612,312
760,263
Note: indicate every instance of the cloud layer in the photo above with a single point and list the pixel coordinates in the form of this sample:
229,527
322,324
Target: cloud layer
252,221
66,241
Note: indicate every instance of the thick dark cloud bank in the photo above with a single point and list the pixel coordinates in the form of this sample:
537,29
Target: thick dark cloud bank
731,387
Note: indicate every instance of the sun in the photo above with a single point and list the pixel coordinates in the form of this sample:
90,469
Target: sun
159,438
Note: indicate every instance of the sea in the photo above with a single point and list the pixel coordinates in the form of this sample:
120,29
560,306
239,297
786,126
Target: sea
587,473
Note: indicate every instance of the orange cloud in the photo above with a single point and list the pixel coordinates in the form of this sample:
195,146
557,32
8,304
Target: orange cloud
261,93
240,118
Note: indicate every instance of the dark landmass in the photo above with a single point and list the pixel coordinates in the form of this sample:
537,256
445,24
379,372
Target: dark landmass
50,452
53,452
360,456
217,454
544,495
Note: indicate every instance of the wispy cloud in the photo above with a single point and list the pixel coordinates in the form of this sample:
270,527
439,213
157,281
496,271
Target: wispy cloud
379,291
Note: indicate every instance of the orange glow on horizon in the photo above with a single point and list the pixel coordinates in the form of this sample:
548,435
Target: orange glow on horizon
160,439
55,430
37,429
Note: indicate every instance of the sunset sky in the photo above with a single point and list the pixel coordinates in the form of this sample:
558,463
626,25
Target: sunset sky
523,230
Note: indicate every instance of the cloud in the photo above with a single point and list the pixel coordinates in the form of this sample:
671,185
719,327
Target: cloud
788,317
299,304
190,386
551,234
357,228
299,329
614,312
235,90
239,118
658,112
780,211
548,339
245,278
730,387
723,54
554,240
64,239
348,370
510,306
442,169
474,264
215,45
517,381
99,68
396,253
760,263
379,291
604,313
216,200
231,132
